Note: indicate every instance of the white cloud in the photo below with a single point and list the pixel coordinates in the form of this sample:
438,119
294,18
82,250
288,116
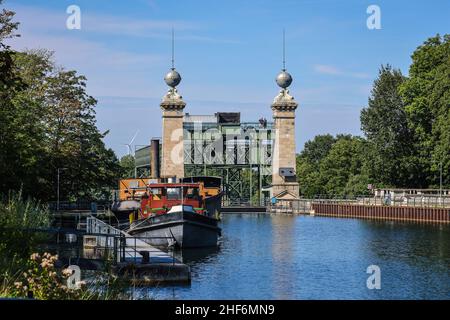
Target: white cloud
324,69
331,70
132,27
53,22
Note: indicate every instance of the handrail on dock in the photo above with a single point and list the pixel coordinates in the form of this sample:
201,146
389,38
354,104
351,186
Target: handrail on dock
108,237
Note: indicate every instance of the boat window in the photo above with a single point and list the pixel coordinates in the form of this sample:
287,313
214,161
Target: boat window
133,184
192,193
156,191
173,193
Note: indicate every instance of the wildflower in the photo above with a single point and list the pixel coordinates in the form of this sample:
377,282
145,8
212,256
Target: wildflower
35,256
67,272
18,284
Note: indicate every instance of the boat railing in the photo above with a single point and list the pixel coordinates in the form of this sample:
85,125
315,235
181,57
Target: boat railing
124,247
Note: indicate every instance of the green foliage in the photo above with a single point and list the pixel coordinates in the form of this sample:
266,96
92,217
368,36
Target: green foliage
17,215
344,160
426,94
335,165
390,140
318,148
308,164
407,129
48,122
7,26
41,280
127,166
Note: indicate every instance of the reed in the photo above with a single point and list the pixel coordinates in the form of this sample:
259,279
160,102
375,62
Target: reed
17,217
40,279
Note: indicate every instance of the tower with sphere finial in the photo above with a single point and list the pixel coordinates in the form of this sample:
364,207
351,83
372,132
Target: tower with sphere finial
284,180
172,106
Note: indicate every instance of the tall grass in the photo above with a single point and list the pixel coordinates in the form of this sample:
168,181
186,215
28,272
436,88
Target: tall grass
40,279
17,217
22,276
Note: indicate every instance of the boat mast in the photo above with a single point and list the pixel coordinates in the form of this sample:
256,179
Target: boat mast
182,194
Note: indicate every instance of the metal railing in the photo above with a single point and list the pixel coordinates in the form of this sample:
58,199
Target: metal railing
399,201
113,246
124,246
290,206
81,205
303,205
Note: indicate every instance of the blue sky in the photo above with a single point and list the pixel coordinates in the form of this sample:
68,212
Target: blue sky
228,53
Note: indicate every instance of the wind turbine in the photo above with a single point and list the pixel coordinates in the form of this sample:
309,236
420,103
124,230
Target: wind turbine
128,145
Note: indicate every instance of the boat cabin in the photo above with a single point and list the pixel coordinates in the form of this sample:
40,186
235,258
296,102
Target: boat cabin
160,197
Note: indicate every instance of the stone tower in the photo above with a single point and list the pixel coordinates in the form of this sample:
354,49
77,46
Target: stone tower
172,105
284,180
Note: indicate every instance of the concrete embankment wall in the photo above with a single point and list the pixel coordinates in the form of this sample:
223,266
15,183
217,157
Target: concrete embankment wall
422,214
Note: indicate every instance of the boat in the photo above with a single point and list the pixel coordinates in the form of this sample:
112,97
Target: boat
183,214
127,199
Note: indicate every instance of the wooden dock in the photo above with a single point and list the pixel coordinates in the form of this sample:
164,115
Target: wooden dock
134,259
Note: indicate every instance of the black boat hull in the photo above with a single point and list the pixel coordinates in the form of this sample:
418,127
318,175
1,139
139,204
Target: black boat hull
182,229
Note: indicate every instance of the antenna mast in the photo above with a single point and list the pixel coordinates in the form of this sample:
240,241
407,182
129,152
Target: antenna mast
284,51
173,50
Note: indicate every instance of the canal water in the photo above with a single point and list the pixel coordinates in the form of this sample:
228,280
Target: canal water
301,257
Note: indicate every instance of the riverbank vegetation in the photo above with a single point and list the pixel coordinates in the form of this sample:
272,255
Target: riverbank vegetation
406,127
18,218
40,279
48,125
26,273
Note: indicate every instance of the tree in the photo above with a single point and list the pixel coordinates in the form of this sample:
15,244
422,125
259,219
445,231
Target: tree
10,85
27,113
127,166
308,162
342,164
7,26
384,122
48,122
427,104
74,141
318,148
332,166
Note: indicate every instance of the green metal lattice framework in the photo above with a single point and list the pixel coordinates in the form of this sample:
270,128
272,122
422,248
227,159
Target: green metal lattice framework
239,153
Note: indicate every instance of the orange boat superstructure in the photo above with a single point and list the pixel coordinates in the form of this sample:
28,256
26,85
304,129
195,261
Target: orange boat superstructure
154,197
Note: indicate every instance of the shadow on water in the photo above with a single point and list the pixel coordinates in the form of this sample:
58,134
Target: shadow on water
196,255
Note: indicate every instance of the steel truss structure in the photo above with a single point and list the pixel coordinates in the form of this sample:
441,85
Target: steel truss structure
241,154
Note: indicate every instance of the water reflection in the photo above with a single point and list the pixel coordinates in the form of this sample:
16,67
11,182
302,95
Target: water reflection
302,257
283,254
422,251
196,255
